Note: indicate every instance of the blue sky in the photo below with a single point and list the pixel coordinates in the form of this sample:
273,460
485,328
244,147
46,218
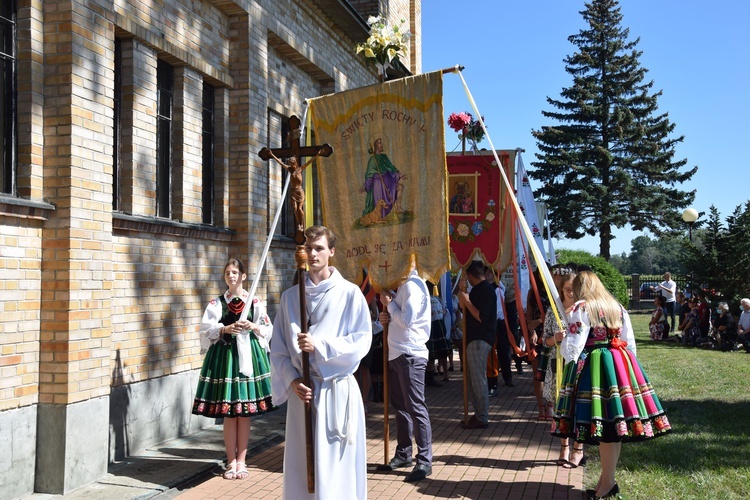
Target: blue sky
696,53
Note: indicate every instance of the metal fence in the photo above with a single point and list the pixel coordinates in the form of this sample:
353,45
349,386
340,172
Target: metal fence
639,288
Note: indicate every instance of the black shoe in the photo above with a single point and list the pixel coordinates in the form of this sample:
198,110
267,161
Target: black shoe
509,383
493,392
474,423
397,463
430,381
519,368
610,494
420,472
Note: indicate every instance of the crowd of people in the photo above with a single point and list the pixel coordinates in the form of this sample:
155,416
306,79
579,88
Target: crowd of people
253,365
699,323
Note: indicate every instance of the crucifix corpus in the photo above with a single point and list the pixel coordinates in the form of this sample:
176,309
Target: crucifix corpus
295,153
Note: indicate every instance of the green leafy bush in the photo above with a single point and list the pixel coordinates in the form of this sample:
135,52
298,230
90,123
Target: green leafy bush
610,276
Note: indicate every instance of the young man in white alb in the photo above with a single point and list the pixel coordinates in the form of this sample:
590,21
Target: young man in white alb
339,336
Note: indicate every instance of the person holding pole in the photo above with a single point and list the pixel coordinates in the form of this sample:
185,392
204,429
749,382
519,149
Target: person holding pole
227,388
339,335
481,319
408,313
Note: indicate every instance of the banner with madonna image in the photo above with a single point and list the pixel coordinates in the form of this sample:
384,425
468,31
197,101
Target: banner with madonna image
384,189
479,219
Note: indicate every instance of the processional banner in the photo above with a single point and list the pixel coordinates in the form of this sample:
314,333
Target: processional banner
479,211
383,191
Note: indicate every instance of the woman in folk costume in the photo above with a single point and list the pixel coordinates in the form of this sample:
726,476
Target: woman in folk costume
563,278
235,380
438,345
606,397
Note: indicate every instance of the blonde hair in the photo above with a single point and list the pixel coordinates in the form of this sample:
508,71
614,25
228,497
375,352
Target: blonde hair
599,302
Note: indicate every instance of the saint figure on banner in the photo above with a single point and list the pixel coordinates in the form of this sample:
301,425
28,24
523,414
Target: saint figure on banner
383,185
461,202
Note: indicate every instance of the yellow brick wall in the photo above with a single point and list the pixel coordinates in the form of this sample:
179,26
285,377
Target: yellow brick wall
95,300
20,291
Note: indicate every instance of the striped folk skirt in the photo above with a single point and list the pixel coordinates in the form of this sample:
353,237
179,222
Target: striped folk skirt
607,397
224,392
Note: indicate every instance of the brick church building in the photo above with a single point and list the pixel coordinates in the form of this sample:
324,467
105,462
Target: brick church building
130,175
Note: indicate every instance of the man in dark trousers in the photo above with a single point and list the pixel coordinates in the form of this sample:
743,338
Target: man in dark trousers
408,314
481,319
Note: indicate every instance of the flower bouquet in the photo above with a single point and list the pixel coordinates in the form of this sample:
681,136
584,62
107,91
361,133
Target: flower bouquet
384,44
467,127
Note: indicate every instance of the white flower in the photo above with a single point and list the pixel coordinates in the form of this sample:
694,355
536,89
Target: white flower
385,43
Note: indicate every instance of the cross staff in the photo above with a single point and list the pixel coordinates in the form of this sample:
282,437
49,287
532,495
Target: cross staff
295,153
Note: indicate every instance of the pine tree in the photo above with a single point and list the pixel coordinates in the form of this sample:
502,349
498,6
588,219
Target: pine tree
717,257
609,160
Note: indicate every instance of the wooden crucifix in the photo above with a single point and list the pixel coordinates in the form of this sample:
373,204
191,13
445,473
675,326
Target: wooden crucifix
295,153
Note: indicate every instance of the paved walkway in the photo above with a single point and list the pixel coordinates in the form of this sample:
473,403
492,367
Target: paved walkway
512,459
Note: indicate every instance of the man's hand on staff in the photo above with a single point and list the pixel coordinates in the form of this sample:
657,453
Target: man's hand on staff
386,297
301,390
384,318
463,299
305,342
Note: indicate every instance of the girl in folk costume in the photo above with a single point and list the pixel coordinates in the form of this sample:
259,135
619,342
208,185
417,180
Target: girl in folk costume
606,398
438,345
659,325
235,380
563,278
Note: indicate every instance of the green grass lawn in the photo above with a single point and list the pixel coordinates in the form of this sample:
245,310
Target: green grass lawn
707,398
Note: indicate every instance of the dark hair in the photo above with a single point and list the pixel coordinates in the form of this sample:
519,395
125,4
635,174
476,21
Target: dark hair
476,269
312,233
236,263
662,300
563,269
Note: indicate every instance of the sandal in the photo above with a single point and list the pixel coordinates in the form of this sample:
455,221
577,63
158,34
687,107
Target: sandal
572,465
542,417
564,451
230,472
242,472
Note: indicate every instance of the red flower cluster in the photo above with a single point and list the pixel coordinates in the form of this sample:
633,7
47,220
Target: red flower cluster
459,121
466,126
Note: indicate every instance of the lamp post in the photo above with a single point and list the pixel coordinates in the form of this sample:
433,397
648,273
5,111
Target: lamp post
690,215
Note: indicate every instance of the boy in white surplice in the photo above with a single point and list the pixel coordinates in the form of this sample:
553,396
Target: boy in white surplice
339,336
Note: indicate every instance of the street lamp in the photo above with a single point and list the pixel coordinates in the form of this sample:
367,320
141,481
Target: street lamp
690,215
